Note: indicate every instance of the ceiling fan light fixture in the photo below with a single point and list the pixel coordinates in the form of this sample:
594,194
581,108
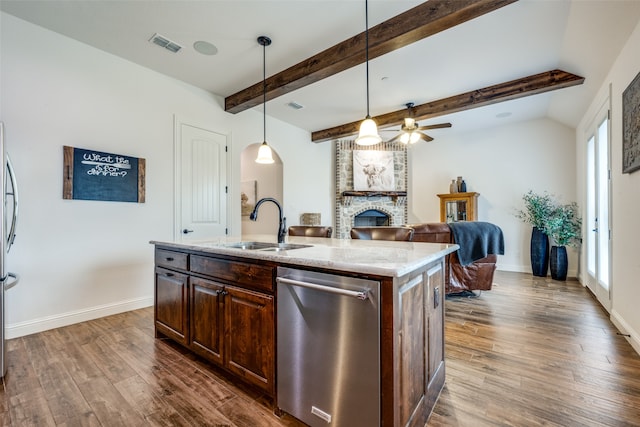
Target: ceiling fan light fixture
410,137
368,134
409,122
265,155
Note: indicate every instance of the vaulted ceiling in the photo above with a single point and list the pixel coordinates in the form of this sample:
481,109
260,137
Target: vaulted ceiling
517,40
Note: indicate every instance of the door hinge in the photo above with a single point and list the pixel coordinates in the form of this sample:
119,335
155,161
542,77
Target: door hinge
226,148
226,231
226,189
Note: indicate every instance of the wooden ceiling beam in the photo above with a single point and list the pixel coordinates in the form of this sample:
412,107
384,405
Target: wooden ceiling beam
415,24
527,86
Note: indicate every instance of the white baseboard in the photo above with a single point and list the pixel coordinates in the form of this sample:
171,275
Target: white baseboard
29,327
623,327
514,268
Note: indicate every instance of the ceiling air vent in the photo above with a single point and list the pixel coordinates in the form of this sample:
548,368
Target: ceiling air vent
165,43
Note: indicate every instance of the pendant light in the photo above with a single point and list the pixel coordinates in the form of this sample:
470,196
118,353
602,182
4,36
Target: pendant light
265,155
368,134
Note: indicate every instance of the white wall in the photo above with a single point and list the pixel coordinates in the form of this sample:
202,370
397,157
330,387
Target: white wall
83,259
625,239
501,164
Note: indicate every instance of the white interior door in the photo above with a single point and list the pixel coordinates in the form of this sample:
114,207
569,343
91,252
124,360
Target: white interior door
598,226
202,190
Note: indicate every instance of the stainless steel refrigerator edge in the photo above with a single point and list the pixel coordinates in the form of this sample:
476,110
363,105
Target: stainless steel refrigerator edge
328,361
9,215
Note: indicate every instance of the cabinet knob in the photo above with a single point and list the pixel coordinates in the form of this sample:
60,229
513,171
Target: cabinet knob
169,259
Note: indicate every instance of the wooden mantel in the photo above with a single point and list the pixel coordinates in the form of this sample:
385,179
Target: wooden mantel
398,197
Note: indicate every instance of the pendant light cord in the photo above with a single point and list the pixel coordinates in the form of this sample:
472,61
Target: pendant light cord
264,41
366,50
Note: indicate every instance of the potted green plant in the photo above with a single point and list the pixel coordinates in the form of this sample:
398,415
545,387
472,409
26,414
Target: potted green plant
537,211
564,226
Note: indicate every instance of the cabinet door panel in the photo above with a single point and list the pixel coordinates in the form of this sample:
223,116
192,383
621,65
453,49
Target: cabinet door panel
436,321
412,350
249,327
171,304
206,319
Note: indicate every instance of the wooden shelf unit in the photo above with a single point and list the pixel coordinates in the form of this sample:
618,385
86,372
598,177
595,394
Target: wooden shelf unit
456,207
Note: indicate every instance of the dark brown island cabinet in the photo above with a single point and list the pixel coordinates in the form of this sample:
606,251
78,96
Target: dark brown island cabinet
219,302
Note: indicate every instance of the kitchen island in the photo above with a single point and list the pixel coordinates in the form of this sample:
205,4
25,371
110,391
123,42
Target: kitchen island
219,299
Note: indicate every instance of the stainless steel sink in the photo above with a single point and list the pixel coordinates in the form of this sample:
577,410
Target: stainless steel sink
265,246
251,245
285,247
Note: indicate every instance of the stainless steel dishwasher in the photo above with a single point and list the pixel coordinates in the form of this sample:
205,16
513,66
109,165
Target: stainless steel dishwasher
328,348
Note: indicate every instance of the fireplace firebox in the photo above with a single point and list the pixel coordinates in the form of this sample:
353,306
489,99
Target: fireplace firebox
371,218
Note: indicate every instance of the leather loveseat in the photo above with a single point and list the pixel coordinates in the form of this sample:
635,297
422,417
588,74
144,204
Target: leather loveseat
477,275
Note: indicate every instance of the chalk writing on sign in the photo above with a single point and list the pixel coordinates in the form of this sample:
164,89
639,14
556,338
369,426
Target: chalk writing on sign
106,165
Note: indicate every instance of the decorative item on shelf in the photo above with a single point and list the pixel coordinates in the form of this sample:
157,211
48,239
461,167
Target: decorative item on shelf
265,155
463,187
538,210
459,184
368,134
564,227
453,187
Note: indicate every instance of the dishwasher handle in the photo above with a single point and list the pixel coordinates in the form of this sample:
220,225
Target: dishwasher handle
361,295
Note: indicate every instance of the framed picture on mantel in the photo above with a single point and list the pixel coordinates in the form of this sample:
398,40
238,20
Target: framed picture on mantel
373,170
631,127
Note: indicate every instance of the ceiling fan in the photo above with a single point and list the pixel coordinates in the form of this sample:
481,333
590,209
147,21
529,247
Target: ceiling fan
410,132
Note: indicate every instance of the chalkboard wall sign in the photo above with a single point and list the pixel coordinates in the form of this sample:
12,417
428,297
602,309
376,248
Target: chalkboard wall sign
94,175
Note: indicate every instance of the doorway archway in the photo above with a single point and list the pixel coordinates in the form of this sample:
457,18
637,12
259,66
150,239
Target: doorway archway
258,181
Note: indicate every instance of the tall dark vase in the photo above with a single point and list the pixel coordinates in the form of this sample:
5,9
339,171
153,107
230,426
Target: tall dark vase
539,252
559,262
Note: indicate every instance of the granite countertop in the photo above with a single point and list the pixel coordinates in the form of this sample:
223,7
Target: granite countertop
386,258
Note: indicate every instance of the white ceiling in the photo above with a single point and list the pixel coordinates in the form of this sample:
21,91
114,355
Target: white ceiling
528,37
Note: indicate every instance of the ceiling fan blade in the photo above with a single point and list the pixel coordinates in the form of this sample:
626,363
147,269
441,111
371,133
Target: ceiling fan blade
438,126
426,137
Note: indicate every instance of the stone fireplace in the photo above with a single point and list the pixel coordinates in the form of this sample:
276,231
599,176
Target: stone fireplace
371,208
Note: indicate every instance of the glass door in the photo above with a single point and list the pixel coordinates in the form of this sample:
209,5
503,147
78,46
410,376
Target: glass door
598,235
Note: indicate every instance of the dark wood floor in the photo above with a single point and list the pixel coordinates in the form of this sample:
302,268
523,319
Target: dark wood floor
530,352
